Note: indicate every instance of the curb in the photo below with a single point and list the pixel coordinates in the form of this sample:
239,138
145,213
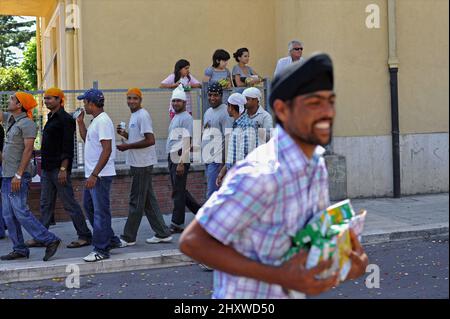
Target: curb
21,271
425,233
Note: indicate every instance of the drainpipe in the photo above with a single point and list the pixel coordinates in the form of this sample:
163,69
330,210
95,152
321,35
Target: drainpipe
393,70
38,53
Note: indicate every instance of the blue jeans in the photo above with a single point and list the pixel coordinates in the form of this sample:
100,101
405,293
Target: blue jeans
96,203
49,188
2,221
212,171
16,214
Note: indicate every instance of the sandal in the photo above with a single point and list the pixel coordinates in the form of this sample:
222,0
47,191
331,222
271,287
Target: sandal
78,244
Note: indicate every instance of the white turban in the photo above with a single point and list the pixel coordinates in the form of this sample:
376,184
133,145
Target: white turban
252,93
239,100
178,93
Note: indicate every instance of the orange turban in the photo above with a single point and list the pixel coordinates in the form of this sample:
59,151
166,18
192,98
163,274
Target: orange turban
136,91
28,102
55,92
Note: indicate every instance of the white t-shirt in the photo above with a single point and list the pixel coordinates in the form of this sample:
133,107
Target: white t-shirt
284,63
180,127
101,128
140,123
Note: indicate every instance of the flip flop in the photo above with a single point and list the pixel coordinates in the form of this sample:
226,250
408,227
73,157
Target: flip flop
77,244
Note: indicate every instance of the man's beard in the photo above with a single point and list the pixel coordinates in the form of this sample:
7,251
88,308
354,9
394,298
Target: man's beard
312,140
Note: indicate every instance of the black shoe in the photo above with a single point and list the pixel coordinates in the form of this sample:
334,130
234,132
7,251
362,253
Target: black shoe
175,229
14,255
33,243
51,249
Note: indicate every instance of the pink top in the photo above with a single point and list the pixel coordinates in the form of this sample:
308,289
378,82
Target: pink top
185,81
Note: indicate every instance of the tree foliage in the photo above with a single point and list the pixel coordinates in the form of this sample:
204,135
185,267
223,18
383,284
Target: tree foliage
14,79
29,64
13,35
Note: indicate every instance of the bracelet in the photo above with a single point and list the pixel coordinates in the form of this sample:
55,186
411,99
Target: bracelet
18,176
95,175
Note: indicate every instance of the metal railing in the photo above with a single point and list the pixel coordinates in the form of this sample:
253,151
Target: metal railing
154,100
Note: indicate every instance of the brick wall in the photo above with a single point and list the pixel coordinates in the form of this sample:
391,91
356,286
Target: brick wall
120,192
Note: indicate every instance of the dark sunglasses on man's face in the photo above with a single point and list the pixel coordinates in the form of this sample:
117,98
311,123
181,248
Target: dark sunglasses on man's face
297,49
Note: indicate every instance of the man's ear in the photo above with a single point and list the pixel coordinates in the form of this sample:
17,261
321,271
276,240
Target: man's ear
281,110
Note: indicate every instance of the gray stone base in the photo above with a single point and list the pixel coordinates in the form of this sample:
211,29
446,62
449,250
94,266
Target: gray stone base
337,176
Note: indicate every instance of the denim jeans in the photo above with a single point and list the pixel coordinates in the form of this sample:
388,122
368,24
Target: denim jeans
180,195
2,221
49,188
143,201
212,171
96,203
16,214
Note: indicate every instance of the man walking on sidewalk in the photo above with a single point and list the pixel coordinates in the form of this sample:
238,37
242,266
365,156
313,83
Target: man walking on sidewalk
141,156
57,156
16,170
99,169
215,122
178,148
245,229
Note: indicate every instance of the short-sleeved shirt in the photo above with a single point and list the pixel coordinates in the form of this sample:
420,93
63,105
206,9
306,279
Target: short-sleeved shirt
185,81
140,123
263,202
215,122
2,138
181,126
283,63
18,129
263,119
101,129
237,70
243,139
215,75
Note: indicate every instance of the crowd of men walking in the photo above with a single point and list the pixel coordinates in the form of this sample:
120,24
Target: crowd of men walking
236,121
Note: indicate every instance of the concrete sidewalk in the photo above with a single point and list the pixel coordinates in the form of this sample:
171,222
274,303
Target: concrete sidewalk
388,219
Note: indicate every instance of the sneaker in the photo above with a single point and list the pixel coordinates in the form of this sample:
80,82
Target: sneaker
14,255
156,240
94,256
205,268
124,243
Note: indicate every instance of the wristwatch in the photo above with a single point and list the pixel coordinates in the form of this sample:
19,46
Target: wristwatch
62,169
17,176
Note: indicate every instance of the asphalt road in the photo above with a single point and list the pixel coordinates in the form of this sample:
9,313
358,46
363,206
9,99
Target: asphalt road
408,269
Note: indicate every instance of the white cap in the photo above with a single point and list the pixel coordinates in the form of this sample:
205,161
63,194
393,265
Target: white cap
252,93
178,93
239,100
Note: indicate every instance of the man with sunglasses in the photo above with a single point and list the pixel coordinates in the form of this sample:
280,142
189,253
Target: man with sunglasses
295,48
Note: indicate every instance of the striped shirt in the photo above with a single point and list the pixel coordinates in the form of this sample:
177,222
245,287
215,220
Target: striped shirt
264,200
243,140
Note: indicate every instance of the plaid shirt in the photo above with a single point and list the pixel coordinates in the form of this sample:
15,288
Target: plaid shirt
243,140
264,200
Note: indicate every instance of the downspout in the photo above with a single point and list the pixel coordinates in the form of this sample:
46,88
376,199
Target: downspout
393,71
38,53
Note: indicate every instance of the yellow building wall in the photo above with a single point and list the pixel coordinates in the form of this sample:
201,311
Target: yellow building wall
359,55
138,42
424,65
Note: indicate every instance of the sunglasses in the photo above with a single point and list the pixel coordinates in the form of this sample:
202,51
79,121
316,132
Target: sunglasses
297,49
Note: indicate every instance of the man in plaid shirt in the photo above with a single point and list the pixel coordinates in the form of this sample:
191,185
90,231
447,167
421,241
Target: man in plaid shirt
243,138
245,229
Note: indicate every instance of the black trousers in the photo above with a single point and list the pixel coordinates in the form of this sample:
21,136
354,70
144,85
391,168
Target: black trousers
180,195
